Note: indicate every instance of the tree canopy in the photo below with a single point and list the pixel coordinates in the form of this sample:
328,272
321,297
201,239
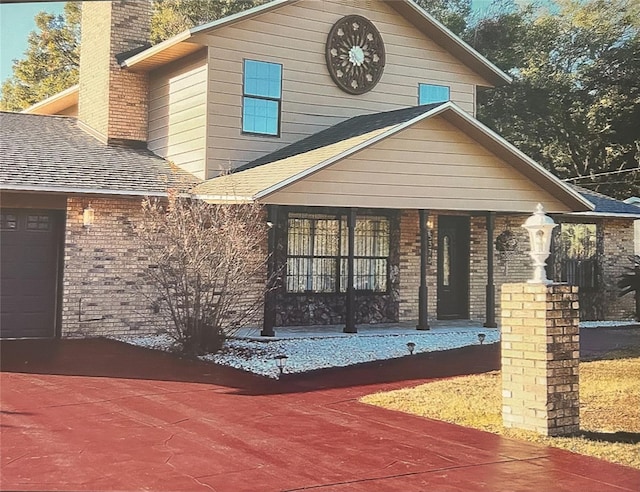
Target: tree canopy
574,104
51,60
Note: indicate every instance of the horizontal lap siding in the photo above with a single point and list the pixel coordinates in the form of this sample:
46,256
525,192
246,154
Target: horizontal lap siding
177,113
435,166
295,36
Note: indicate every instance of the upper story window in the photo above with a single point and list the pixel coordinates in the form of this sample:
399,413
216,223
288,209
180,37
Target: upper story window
430,93
262,95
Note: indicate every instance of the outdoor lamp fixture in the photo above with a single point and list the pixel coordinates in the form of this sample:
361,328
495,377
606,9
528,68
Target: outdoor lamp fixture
411,346
281,361
540,227
88,217
481,337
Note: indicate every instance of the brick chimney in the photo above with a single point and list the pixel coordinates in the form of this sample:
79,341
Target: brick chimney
113,103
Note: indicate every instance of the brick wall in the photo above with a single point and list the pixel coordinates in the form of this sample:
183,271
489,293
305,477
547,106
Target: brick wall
409,273
618,243
112,101
103,291
540,356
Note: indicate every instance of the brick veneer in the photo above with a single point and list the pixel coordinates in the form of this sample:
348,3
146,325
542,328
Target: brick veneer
112,101
103,291
540,355
618,244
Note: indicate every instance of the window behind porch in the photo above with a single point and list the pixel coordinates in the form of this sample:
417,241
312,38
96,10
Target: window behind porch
317,251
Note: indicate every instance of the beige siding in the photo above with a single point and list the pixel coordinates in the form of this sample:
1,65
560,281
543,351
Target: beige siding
431,165
177,113
295,36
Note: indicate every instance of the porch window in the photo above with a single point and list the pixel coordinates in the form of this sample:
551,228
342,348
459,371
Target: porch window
430,93
262,94
317,251
577,249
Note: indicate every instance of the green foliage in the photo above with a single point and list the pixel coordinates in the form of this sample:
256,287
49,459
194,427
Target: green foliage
171,17
574,105
452,13
51,60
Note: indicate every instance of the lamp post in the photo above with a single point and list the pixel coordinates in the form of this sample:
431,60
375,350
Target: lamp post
540,227
281,361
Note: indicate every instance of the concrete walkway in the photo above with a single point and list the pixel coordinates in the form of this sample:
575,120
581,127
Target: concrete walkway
100,415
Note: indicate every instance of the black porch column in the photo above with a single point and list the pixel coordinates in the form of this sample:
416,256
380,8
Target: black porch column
423,324
350,315
491,289
269,320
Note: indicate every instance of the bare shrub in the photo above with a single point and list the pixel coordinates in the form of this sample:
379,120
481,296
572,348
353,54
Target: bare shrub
207,263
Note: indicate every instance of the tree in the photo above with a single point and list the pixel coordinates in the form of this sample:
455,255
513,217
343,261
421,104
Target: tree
171,17
452,13
574,105
51,60
204,259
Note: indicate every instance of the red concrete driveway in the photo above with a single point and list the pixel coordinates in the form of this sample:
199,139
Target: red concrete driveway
99,415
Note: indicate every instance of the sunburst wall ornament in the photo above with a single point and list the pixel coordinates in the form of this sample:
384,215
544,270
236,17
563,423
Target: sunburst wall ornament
355,54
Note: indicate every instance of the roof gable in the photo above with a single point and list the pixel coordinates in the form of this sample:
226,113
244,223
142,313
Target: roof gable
281,171
187,41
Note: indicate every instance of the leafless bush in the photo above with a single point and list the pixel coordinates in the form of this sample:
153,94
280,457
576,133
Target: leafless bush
207,266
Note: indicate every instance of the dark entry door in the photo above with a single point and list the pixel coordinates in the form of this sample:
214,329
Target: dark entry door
28,273
453,267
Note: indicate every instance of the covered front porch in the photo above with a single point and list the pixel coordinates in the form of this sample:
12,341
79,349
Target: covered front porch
393,218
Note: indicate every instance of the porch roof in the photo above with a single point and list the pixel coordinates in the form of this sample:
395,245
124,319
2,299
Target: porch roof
443,179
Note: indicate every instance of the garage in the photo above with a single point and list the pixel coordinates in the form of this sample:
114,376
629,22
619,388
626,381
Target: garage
29,267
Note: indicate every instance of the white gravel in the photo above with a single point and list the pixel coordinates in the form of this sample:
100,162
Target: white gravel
308,354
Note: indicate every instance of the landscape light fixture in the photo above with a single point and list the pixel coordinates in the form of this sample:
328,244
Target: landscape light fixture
540,226
281,361
481,337
411,346
88,217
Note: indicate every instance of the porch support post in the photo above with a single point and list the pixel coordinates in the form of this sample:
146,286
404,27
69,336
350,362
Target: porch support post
350,315
269,319
491,288
423,323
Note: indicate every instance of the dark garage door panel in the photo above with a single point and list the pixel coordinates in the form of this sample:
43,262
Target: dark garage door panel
28,273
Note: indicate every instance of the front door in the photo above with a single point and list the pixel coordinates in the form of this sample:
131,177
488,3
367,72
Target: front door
453,267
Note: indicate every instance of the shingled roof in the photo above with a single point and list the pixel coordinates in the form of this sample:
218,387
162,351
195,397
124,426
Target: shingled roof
51,153
605,205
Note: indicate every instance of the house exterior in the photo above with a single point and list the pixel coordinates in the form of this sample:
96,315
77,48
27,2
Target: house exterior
352,122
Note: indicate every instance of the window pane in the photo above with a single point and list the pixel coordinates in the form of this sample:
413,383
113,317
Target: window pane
8,222
262,79
429,93
260,116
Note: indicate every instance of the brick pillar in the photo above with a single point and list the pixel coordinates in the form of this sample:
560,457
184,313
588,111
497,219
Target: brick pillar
540,355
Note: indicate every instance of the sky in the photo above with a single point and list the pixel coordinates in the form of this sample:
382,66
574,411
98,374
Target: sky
16,22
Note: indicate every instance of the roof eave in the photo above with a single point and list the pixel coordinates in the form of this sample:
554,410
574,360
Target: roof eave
54,104
183,44
616,215
452,43
81,191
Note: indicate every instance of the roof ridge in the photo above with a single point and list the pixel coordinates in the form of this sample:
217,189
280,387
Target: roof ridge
60,116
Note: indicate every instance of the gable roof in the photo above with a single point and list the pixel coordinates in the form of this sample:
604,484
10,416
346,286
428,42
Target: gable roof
271,173
187,42
52,154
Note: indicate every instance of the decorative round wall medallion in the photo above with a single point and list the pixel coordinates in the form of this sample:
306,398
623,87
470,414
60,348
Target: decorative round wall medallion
355,54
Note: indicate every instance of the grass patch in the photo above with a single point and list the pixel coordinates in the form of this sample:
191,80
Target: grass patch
609,408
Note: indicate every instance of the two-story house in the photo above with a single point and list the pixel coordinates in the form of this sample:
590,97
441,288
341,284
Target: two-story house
353,122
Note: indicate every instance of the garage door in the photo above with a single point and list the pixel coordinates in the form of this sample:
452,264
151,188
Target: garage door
28,272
